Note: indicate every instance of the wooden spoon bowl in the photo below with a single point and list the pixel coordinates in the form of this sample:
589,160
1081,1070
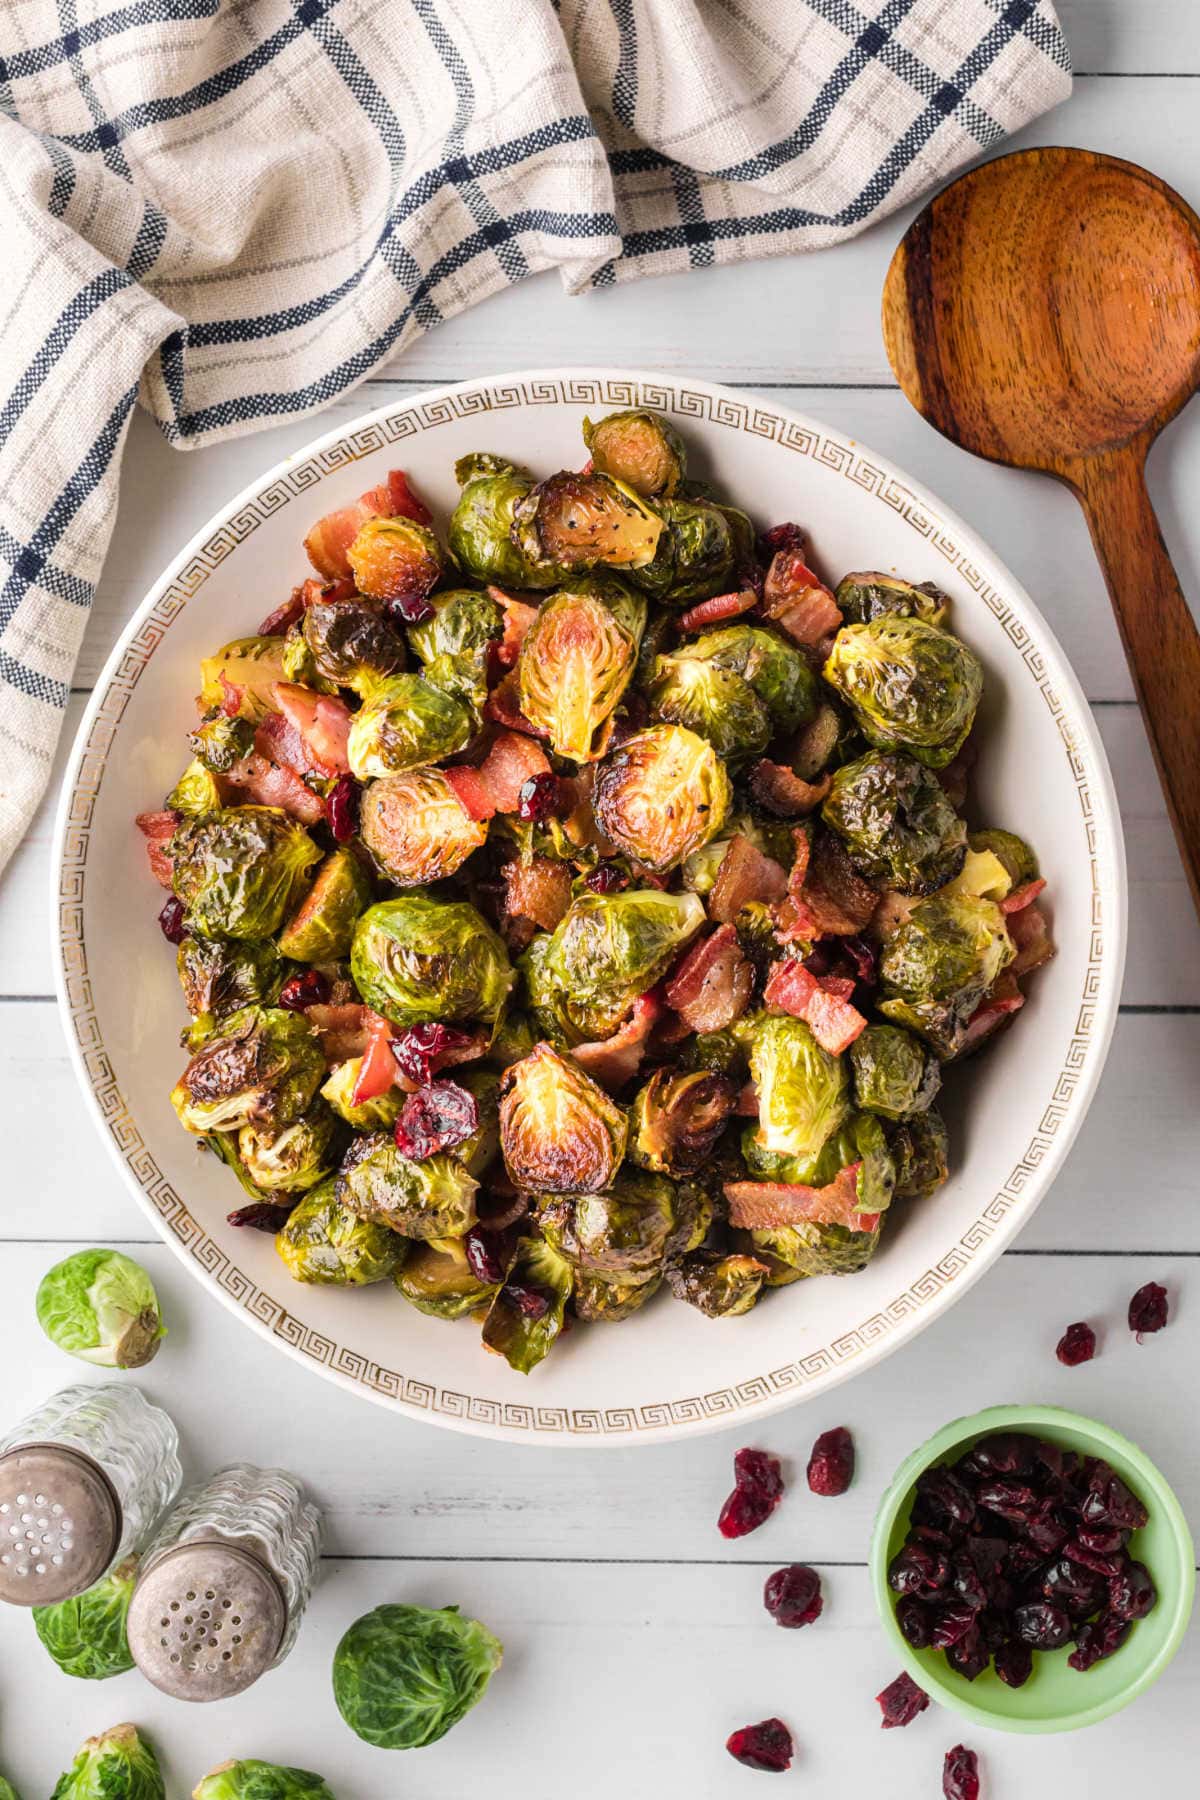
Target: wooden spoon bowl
1044,311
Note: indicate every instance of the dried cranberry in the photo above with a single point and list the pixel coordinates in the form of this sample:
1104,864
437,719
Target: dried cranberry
606,880
960,1774
758,1489
1014,1663
767,1745
1076,1345
170,920
1006,1453
793,1596
1042,1625
782,537
967,1584
1077,1590
1106,1565
901,1701
1045,1531
342,806
1148,1310
1104,1540
309,989
946,1494
539,797
436,1118
1109,1502
1009,1499
409,609
993,1628
950,1624
263,1215
488,1254
968,1657
831,1465
528,1300
418,1049
1022,1559
918,1569
1132,1593
915,1621
1098,1639
862,958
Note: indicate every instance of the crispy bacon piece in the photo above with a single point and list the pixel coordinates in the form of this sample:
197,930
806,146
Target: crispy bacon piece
270,783
830,896
280,622
341,1028
471,791
770,1205
518,617
323,723
712,985
782,791
745,874
1022,897
993,1010
503,707
231,696
277,739
508,765
1029,930
539,889
717,610
747,1101
377,1072
158,828
617,1059
820,1002
798,600
330,538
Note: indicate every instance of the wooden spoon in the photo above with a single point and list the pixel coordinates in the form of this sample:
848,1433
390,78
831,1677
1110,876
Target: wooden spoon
1044,311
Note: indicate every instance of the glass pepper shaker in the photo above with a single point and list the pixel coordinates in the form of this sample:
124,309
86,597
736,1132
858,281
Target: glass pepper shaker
82,1480
224,1583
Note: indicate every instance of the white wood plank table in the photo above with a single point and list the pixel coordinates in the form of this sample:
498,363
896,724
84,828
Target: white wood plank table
635,1636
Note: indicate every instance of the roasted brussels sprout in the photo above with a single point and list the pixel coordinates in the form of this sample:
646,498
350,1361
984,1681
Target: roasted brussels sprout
515,1038
710,700
559,1131
871,595
241,870
100,1306
920,1153
376,1114
86,1635
246,669
250,1779
527,1314
430,1199
720,1285
196,792
599,1302
808,1249
290,1158
622,1235
893,816
803,1091
406,723
416,827
481,526
324,1243
262,1068
894,1074
403,1675
321,930
576,662
677,1118
935,968
437,1280
218,975
860,1140
1013,853
479,1151
609,949
415,959
455,643
580,522
661,795
695,556
395,559
117,1765
768,662
982,874
640,448
910,686
351,645
220,742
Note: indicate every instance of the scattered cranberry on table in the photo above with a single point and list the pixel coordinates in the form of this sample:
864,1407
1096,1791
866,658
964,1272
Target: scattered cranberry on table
757,1491
1076,1345
767,1745
831,1465
900,1702
1148,1310
793,1596
960,1774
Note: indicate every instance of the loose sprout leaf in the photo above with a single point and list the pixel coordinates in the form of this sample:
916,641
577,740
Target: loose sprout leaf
404,1675
526,1316
100,1306
86,1635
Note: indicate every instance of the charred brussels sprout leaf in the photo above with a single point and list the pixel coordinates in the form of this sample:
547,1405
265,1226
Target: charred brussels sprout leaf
221,742
576,662
695,556
416,959
219,975
623,1235
580,522
768,663
368,1115
527,1314
406,723
599,1302
559,1131
416,829
719,1286
430,1199
894,1074
871,595
803,1091
195,793
677,1118
240,871
253,1780
610,948
919,1151
321,930
454,644
437,1280
246,669
100,1306
481,527
351,645
935,968
86,1635
1011,852
291,1158
117,1765
395,559
263,1068
910,686
640,448
661,795
327,1245
714,702
404,1675
893,816
817,1249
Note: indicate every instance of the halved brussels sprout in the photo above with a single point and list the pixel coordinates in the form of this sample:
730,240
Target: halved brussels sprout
241,870
661,795
405,723
920,1152
818,1249
220,742
640,448
527,1314
1018,860
87,1634
871,595
416,827
768,662
576,661
369,1115
321,930
936,967
599,1302
712,701
430,1199
677,1118
895,1075
324,1243
859,1139
454,644
219,975
910,686
696,554
196,792
559,1131
982,874
481,526
437,1280
803,1091
609,949
247,668
290,1158
622,1235
262,1069
351,645
415,959
581,522
395,559
720,1285
893,816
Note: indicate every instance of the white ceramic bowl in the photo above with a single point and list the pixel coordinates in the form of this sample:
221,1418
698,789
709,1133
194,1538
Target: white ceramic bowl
668,1371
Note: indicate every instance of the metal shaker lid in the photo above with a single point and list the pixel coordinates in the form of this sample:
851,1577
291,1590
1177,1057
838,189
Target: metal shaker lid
206,1620
60,1524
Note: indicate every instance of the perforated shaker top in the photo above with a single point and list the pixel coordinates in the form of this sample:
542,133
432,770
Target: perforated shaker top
206,1620
60,1524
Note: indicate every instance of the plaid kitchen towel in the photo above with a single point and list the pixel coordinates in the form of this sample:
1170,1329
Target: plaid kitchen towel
231,211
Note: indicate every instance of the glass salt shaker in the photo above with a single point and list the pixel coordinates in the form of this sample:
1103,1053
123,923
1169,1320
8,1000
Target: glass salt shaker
224,1583
82,1480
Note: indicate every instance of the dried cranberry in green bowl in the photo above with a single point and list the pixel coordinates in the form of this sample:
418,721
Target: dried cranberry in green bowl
1055,1696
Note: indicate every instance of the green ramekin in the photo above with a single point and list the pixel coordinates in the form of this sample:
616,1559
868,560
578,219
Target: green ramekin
1055,1698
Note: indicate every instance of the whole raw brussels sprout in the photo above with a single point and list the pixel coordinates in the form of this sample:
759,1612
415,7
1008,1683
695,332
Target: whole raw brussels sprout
767,662
241,870
220,742
920,1149
893,816
195,793
321,930
7,1790
416,959
100,1306
579,522
86,1635
251,667
712,701
481,526
576,661
871,595
911,686
803,1091
721,1285
610,948
559,1131
527,1314
695,556
622,1235
262,1068
639,448
661,795
895,1075
351,645
367,1115
219,975
437,1280
936,967
416,828
253,1780
455,643
117,1765
395,559
289,1159
404,1675
430,1199
405,723
676,1119
327,1245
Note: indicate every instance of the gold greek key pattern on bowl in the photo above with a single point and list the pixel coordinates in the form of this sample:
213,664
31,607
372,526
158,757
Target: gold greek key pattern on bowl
407,421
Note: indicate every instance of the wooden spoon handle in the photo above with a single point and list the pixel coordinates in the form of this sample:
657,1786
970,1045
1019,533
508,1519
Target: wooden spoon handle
1157,629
